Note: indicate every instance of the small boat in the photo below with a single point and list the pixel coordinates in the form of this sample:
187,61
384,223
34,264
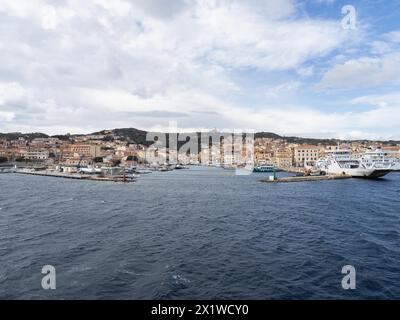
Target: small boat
180,167
265,168
143,171
8,169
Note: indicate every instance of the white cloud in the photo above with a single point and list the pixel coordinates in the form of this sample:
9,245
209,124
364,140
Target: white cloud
283,89
393,36
21,8
381,67
82,66
306,71
11,92
364,72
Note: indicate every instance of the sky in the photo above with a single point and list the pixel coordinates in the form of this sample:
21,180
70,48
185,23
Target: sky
302,68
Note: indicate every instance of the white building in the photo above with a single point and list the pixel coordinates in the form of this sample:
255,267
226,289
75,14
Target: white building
37,155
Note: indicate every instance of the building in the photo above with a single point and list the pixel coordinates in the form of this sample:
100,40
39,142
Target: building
306,155
74,162
283,158
86,150
392,151
37,155
6,153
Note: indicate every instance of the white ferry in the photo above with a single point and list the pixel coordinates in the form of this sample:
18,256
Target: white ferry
340,162
379,159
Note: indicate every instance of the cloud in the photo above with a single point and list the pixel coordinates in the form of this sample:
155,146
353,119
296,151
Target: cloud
381,67
393,36
11,92
81,66
283,89
364,72
325,1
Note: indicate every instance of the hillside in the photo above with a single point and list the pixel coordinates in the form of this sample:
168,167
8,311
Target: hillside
134,135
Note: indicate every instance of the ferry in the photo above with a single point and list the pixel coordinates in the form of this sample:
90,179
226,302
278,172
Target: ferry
396,165
341,162
379,159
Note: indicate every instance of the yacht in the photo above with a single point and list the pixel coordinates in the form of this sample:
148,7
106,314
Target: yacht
340,162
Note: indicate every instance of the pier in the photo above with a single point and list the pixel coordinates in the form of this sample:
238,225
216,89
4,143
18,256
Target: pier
307,178
76,176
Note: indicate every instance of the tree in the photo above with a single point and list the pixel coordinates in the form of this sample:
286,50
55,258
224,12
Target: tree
3,159
98,159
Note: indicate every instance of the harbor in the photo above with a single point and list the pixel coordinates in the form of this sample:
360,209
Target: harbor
199,157
95,158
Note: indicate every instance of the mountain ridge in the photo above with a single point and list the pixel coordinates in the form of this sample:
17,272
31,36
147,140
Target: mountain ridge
139,136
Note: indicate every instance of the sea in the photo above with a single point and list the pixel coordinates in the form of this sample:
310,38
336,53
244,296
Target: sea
202,233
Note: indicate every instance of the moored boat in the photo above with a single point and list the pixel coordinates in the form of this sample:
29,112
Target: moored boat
340,162
265,168
378,159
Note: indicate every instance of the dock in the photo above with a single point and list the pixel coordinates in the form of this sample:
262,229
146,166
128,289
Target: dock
76,176
307,178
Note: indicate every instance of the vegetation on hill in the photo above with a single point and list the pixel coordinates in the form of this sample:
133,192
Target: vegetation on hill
26,136
132,135
267,135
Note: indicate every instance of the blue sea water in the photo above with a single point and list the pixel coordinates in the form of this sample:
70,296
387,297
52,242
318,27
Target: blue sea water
202,233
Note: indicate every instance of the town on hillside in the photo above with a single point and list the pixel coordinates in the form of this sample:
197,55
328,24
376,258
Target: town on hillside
108,149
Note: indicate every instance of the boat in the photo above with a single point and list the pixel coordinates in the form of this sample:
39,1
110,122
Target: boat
341,162
180,166
7,170
396,165
379,159
143,171
265,168
89,170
